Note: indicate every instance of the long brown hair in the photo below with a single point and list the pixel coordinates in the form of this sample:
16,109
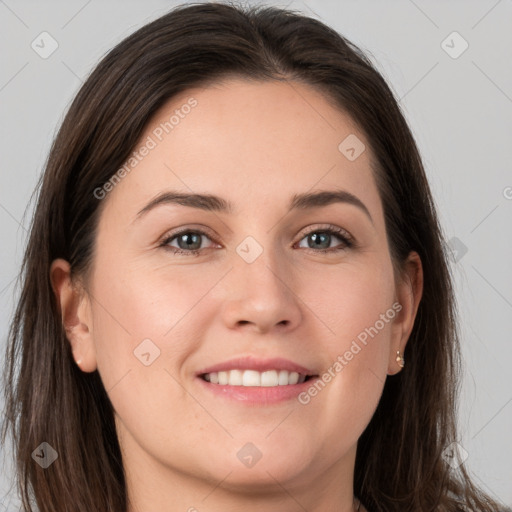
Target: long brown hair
400,464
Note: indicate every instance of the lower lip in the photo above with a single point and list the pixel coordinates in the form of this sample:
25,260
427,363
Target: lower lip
258,395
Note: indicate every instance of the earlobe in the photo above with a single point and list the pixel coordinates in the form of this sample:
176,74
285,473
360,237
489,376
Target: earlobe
75,314
409,293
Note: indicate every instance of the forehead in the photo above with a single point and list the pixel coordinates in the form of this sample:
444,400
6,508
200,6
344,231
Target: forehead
253,143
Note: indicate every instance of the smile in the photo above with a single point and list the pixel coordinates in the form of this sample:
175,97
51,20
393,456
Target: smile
252,378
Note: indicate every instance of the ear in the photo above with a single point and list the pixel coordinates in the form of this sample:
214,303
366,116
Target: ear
76,314
409,290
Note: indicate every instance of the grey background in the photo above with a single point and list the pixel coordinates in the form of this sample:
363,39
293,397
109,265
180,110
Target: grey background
460,110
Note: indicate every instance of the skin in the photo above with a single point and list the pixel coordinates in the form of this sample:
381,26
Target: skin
254,144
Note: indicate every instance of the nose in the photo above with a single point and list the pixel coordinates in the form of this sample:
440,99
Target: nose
261,296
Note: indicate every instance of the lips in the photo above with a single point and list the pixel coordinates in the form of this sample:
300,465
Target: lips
259,365
256,382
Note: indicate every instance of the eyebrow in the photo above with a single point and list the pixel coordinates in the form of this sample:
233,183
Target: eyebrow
212,203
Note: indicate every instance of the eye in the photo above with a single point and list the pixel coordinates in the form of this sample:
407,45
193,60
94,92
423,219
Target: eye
321,239
188,241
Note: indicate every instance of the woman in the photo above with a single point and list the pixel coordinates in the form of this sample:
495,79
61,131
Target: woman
235,294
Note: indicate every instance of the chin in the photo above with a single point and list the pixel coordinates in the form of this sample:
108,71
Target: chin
260,478
251,469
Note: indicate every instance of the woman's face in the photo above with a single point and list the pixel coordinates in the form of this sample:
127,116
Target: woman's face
269,290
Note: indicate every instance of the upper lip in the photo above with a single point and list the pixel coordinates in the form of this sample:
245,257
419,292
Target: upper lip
261,365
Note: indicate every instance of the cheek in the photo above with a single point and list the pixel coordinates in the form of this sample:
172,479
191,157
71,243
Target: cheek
136,302
355,305
140,340
147,321
129,322
350,298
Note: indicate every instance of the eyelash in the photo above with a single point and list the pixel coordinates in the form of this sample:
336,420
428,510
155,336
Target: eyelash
347,241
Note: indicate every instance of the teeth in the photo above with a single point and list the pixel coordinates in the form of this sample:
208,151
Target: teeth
251,378
235,378
269,378
282,378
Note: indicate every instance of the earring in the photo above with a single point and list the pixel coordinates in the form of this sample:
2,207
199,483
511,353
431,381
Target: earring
399,359
78,362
